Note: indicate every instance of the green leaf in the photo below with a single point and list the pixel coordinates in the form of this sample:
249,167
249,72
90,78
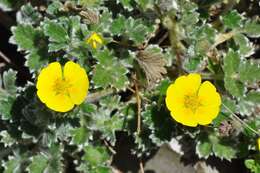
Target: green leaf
79,135
252,29
6,138
253,165
110,72
231,63
232,19
204,149
137,30
253,96
35,60
245,46
55,31
249,71
118,25
236,88
102,121
224,151
95,156
12,166
24,36
54,159
38,164
126,4
146,4
8,5
6,107
54,7
134,29
231,66
95,160
222,148
28,15
9,78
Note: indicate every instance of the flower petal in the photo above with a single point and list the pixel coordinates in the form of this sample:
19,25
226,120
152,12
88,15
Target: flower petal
174,97
78,80
59,103
184,116
46,80
188,84
208,95
206,114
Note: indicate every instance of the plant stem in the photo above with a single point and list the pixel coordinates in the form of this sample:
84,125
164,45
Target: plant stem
138,101
235,117
97,95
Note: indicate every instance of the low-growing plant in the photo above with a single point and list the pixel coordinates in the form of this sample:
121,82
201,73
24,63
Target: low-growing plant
126,54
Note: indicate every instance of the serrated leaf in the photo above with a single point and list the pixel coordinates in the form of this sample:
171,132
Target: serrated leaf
8,5
203,149
95,156
118,25
54,159
6,107
28,15
107,125
236,88
224,151
6,138
25,36
245,46
79,135
231,66
152,63
249,71
35,60
55,32
54,8
232,19
12,166
126,4
252,29
231,63
146,4
9,78
109,72
110,102
253,96
253,165
137,30
38,164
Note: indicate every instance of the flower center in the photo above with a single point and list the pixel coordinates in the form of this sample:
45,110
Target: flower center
61,86
191,102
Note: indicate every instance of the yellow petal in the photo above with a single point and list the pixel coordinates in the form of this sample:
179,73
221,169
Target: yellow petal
206,114
59,103
78,80
97,38
174,97
193,82
188,84
184,116
46,80
208,95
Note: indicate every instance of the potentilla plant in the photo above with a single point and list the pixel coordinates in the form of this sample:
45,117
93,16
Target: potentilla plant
153,70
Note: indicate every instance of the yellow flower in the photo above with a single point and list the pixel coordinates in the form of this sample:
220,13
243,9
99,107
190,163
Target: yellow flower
61,89
94,40
192,103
